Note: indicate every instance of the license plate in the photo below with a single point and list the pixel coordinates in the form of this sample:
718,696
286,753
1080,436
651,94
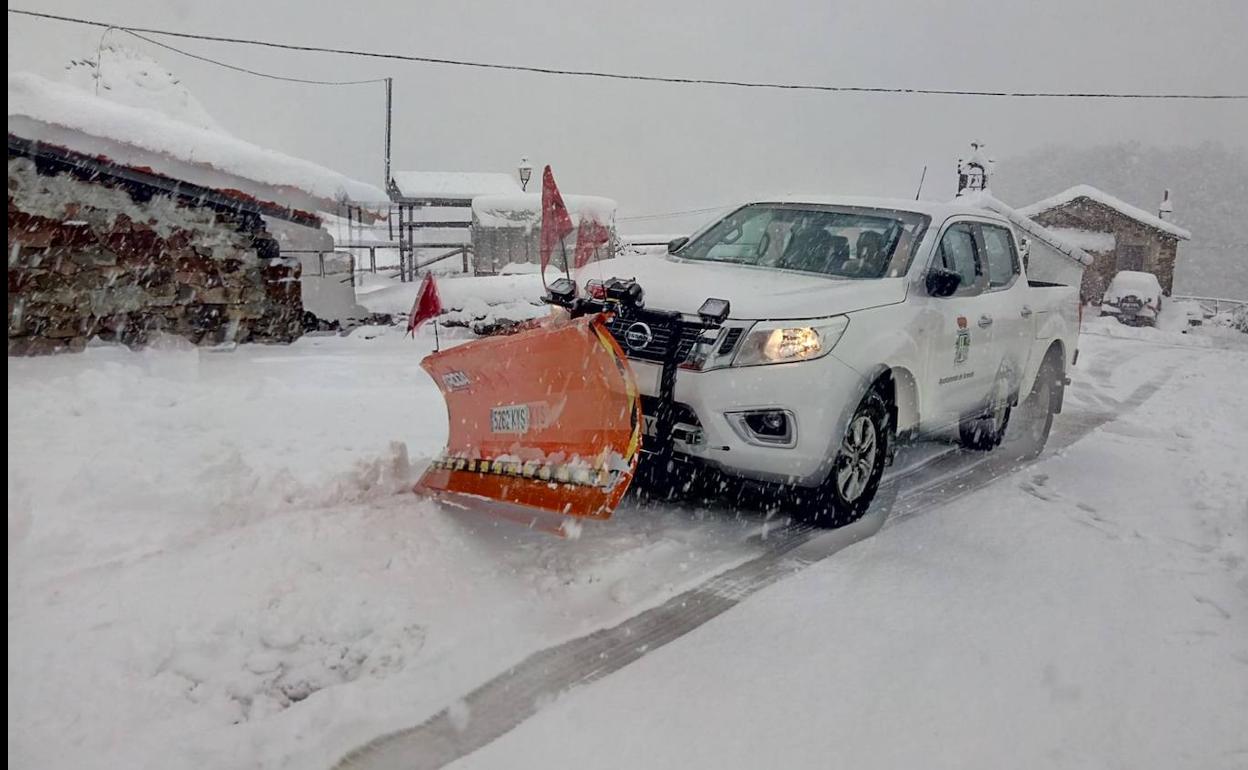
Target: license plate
510,419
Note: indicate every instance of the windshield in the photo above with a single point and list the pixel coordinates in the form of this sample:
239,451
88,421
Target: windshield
834,241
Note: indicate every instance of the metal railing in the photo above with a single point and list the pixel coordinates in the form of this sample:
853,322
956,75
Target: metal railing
1212,305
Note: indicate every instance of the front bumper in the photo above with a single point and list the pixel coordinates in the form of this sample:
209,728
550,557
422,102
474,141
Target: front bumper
820,395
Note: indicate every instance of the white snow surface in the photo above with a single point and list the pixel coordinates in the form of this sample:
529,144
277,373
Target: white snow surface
454,184
1088,240
1089,611
1145,285
386,295
1104,198
132,78
215,561
152,130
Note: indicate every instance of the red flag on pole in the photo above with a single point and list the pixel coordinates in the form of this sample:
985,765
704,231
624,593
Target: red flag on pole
556,224
427,305
589,236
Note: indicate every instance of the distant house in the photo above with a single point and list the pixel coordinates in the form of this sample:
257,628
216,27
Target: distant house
124,221
1116,234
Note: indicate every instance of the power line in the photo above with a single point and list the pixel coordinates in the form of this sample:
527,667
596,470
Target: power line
641,78
249,71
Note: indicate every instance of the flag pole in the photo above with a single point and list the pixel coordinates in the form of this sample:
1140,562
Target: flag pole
563,248
437,343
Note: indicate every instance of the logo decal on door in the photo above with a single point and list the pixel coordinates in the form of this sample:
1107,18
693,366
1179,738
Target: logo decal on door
962,347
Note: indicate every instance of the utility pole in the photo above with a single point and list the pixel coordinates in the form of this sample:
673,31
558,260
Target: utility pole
389,111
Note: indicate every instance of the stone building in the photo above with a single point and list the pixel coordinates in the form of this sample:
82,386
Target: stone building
124,222
1119,236
116,253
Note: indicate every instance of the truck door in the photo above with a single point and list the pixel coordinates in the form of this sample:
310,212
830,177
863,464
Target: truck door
960,359
1011,321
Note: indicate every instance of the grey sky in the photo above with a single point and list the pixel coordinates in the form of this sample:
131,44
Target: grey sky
659,148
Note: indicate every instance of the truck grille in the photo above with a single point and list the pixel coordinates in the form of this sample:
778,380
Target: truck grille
661,338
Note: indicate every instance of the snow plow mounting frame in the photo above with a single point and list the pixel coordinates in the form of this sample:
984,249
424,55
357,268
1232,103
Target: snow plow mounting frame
625,300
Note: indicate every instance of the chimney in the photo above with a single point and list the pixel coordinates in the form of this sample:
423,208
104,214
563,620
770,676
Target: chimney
1166,209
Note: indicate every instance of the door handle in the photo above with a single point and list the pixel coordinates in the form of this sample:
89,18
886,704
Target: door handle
1025,312
985,321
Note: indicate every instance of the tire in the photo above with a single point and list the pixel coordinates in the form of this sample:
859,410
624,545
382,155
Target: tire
984,432
1035,418
852,483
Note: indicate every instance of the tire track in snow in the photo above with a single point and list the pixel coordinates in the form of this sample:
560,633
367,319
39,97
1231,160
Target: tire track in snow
504,702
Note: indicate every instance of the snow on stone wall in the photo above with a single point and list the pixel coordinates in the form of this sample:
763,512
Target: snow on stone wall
89,261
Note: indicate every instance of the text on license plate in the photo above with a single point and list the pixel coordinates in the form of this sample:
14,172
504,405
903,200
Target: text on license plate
510,419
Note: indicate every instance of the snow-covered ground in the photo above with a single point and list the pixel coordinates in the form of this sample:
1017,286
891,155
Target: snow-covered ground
214,562
1088,611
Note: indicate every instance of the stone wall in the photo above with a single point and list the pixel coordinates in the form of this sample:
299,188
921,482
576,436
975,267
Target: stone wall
88,260
1159,249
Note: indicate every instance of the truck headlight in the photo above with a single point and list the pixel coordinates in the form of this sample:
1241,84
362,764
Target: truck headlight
778,342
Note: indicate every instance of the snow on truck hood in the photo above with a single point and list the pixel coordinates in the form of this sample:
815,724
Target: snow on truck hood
756,293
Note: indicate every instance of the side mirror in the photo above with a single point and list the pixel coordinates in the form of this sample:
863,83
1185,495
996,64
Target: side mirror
675,244
942,282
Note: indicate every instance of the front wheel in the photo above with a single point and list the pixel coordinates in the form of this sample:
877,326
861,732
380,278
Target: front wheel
854,479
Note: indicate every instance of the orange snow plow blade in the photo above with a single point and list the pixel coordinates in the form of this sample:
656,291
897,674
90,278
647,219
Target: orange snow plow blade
545,422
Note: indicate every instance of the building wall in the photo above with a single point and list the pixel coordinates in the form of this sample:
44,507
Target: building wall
493,248
330,297
91,261
1155,250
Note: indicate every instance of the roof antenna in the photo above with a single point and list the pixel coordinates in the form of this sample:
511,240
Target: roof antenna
919,192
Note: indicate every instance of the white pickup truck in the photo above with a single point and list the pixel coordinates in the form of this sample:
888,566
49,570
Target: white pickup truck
849,324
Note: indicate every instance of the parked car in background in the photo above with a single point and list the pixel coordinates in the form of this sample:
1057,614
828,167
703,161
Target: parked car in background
1134,298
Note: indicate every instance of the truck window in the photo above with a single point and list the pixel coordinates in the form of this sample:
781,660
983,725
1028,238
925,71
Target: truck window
843,242
957,252
1000,255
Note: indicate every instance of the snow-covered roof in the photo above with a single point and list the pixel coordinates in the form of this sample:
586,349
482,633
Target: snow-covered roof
461,185
45,110
525,209
1105,199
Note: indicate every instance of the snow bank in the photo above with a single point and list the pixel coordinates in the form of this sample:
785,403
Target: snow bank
1105,199
457,292
482,304
62,105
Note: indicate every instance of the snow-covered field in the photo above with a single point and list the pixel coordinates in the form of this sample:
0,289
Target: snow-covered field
214,562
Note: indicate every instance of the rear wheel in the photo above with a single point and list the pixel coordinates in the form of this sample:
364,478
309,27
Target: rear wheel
985,431
854,479
1035,419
